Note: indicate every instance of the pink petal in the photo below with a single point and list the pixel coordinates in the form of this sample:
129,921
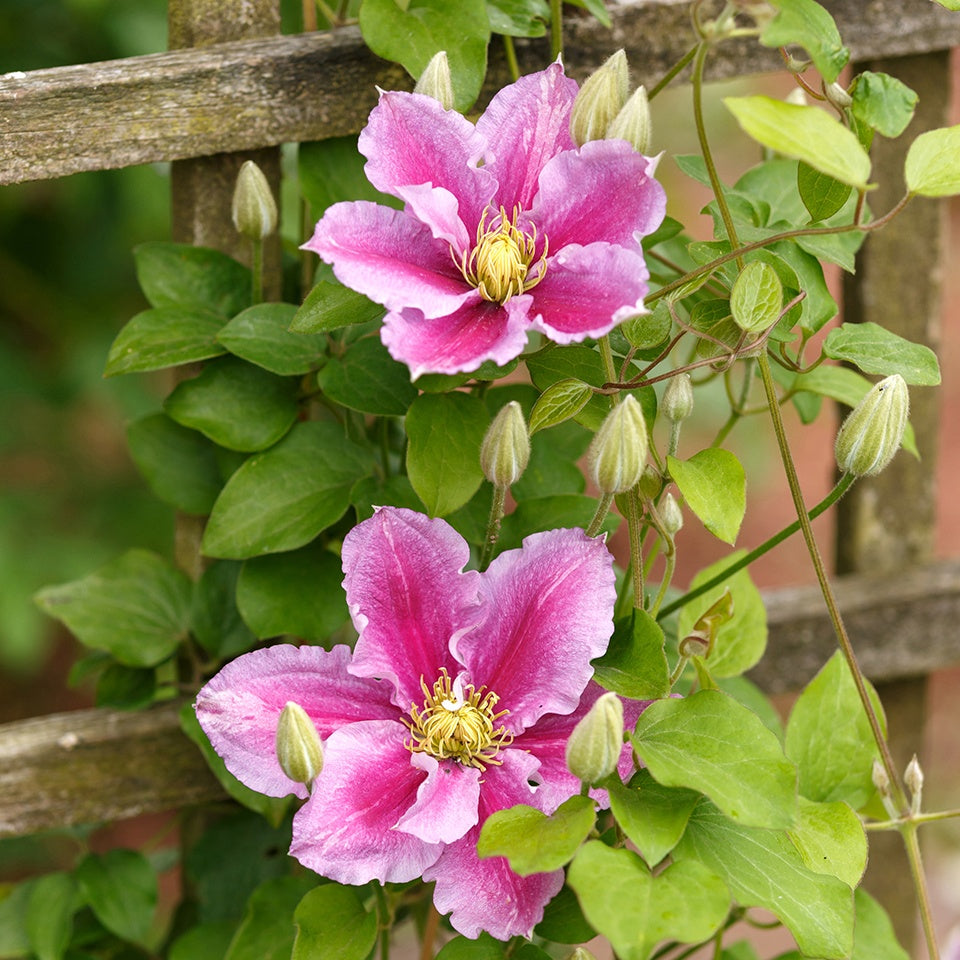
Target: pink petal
410,139
588,290
486,894
390,257
548,612
605,191
526,124
408,597
345,831
239,708
446,806
461,342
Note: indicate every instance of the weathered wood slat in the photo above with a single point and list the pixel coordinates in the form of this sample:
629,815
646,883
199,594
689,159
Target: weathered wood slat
98,765
246,95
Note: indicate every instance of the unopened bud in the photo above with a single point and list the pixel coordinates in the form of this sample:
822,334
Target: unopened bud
671,515
618,451
436,82
593,749
600,99
254,210
299,750
796,96
505,450
677,403
837,95
581,953
913,778
880,778
796,65
633,122
696,644
651,483
873,431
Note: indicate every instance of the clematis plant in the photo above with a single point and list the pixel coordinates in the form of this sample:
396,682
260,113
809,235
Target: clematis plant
507,227
456,702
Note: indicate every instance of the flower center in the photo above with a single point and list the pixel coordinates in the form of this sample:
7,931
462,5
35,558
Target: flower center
499,265
458,722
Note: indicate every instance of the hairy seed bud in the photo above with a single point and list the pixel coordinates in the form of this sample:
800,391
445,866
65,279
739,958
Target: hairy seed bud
677,403
436,82
873,431
618,451
671,515
600,99
594,746
505,450
632,123
299,749
254,210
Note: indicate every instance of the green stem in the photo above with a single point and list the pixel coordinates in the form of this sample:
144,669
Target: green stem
636,548
670,560
673,71
256,271
327,12
384,921
511,51
917,818
556,28
493,526
736,410
602,507
828,501
912,844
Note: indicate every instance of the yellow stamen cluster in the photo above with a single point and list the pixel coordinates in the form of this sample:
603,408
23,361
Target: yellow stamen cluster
499,265
458,722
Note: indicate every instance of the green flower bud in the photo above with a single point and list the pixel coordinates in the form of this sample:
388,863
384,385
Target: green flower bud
677,403
671,515
913,778
796,96
618,451
651,483
581,953
505,450
872,432
632,123
435,81
593,748
299,750
600,99
837,95
254,210
880,779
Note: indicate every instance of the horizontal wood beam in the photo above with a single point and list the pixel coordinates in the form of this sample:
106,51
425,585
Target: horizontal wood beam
247,95
93,766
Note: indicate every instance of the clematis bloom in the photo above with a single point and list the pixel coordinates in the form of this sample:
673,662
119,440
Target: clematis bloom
506,227
457,702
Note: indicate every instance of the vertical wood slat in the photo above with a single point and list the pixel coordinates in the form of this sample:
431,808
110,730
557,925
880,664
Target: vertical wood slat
888,523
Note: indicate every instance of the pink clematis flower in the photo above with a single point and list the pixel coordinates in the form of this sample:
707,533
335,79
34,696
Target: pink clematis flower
456,702
506,228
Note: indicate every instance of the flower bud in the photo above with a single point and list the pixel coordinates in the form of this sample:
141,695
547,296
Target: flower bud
671,515
837,95
594,746
435,81
299,750
796,96
651,483
581,953
677,403
913,778
872,432
600,99
505,450
632,123
618,451
254,210
880,779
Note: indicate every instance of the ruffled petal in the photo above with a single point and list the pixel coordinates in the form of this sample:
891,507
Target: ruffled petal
408,597
548,611
447,801
461,342
345,830
604,191
410,139
526,124
391,257
239,708
486,894
589,290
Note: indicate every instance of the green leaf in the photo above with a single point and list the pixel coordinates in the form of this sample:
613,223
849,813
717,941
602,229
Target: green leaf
331,171
295,593
235,404
330,306
563,920
829,738
136,608
332,924
634,910
559,402
126,688
741,640
763,869
195,278
596,7
366,378
651,815
805,133
518,18
548,513
830,838
179,464
164,337
634,664
949,4
873,936
883,103
411,35
534,842
756,297
298,487
121,889
576,362
649,330
443,455
206,941
54,899
215,622
713,484
821,194
711,743
461,948
876,350
14,902
809,25
395,491
267,931
932,168
261,335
